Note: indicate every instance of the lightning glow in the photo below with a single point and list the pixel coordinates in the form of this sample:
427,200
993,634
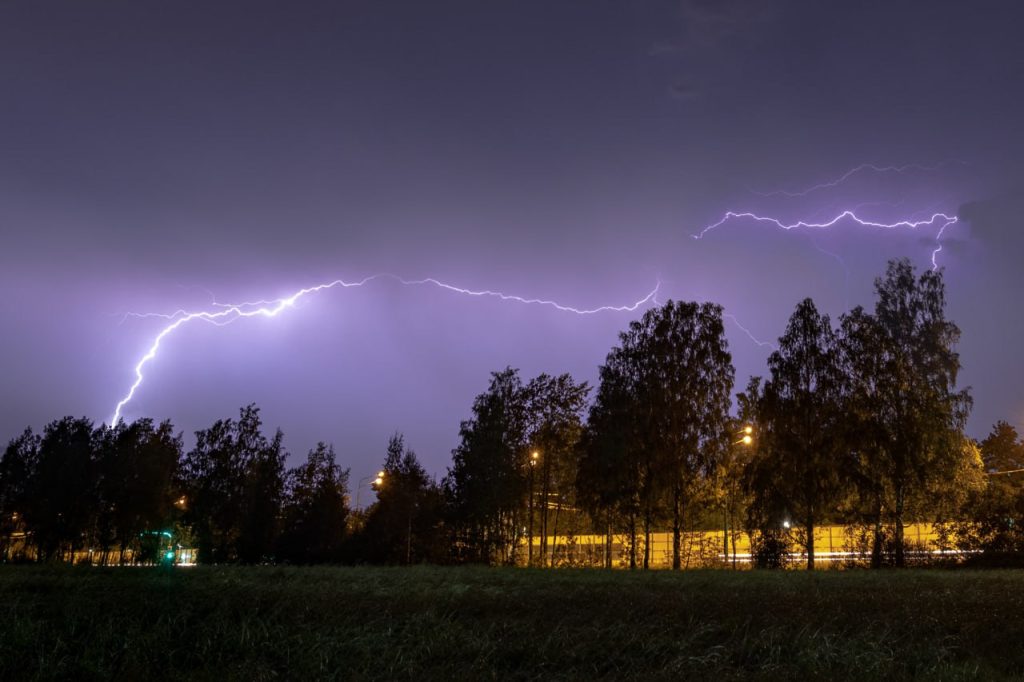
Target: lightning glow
850,173
228,313
940,220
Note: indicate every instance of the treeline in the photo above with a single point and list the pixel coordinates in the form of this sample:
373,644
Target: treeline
859,423
131,493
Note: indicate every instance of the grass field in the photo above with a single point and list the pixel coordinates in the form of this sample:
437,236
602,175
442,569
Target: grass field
477,623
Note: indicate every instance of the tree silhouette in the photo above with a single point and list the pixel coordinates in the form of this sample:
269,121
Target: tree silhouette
234,483
137,466
486,483
799,451
61,499
315,509
908,415
1002,450
555,410
17,470
610,467
405,525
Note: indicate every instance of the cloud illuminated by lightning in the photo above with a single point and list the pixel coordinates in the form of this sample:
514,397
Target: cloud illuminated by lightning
228,313
942,220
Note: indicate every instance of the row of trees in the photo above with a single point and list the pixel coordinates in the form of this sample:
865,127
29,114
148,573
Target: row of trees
131,492
860,423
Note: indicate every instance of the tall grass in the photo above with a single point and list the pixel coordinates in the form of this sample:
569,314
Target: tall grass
474,623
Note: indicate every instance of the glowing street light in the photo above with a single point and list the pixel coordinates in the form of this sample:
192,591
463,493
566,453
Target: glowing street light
377,481
746,438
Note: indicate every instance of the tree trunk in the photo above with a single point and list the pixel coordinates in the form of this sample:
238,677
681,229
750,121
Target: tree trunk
725,534
734,533
676,562
554,532
810,540
647,540
632,541
898,530
608,542
876,549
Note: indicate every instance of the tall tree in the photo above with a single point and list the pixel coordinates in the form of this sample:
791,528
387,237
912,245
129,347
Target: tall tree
234,482
405,525
137,466
799,450
487,480
767,509
675,367
263,492
609,477
735,463
903,368
214,475
62,496
686,379
993,519
315,510
17,469
555,410
1002,449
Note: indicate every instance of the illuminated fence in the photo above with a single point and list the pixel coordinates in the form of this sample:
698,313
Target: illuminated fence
17,548
705,549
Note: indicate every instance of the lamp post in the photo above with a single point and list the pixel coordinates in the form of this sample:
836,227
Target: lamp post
377,480
746,439
534,456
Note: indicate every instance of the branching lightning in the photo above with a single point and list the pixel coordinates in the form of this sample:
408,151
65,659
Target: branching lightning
228,313
941,220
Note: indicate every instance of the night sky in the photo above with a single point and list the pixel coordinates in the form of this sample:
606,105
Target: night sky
157,156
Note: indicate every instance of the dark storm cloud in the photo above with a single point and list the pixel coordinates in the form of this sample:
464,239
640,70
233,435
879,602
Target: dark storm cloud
684,91
709,22
998,221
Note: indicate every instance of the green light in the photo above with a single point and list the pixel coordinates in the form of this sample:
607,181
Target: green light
169,555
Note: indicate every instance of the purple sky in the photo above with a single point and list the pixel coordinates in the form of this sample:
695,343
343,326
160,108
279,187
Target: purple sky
153,154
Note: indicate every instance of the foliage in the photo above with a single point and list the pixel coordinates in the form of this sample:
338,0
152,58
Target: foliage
671,377
405,525
315,513
906,416
800,413
486,483
994,520
234,484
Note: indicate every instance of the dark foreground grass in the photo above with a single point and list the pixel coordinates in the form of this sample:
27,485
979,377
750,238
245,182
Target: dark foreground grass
475,623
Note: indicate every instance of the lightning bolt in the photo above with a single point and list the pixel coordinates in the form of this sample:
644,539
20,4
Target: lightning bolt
850,173
739,325
750,335
228,313
942,220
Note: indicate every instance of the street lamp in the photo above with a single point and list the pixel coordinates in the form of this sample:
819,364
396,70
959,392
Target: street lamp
379,479
534,457
746,439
